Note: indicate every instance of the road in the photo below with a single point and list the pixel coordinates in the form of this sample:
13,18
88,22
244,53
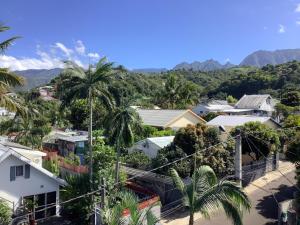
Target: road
264,209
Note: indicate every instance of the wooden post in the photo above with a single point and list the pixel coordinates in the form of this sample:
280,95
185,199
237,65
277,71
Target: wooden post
238,159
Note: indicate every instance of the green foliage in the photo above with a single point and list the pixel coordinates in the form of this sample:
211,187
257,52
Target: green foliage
292,121
80,210
293,151
291,98
178,93
231,100
205,194
193,139
5,213
52,166
209,116
129,201
72,159
104,156
170,154
268,139
137,159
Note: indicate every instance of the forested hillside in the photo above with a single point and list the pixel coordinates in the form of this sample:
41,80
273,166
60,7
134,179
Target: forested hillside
184,88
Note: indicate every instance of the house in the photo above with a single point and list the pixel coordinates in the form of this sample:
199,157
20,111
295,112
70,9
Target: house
258,105
66,142
77,144
227,122
23,178
167,118
214,106
47,93
151,146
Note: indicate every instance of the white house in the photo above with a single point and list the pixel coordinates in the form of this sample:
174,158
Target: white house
167,118
23,178
151,146
212,106
258,105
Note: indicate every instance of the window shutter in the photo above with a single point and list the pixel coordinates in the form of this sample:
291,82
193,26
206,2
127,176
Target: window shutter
12,173
27,171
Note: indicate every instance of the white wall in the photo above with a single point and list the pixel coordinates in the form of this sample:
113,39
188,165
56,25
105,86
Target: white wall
38,182
150,150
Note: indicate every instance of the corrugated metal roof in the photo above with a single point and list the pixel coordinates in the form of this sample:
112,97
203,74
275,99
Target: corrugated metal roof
158,117
233,121
252,102
74,138
162,141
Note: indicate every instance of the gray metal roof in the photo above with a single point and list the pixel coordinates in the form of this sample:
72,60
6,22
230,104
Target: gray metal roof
233,121
252,101
74,138
158,117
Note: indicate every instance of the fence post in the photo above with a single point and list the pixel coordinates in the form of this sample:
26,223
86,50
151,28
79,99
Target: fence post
238,159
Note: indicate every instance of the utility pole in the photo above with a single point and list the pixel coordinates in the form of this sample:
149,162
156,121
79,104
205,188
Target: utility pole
238,159
103,192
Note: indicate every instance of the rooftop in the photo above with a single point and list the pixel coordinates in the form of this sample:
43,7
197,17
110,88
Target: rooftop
162,141
253,102
74,138
160,117
233,121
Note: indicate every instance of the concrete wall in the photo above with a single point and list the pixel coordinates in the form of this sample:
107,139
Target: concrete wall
38,182
183,121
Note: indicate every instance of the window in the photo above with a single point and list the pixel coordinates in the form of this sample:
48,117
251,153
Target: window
19,171
80,144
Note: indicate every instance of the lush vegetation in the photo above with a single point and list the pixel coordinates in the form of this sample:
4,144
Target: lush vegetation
5,213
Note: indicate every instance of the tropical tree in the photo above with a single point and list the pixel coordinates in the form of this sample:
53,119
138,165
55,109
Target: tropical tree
7,78
90,84
206,194
130,202
125,121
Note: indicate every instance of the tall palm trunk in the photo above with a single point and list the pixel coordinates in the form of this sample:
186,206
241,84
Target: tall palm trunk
90,136
117,163
191,221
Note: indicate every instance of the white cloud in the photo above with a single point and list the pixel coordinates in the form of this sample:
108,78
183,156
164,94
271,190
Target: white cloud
297,8
281,29
79,47
44,62
68,52
94,55
52,58
298,22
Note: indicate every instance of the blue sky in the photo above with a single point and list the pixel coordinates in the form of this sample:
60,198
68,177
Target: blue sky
145,33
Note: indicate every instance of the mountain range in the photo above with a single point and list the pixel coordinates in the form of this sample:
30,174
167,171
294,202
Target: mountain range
207,65
260,58
36,77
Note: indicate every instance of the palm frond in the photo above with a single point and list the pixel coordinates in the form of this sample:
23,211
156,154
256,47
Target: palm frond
10,78
5,44
232,212
177,181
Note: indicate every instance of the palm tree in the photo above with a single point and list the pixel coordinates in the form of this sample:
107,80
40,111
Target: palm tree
206,194
123,124
8,79
130,202
88,84
5,44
